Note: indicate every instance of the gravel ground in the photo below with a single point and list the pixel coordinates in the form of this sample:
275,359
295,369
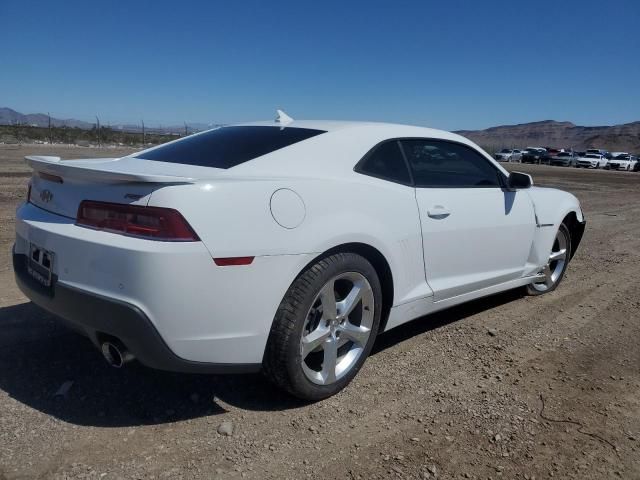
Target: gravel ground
504,387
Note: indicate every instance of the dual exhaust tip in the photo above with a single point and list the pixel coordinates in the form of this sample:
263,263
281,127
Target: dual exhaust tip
115,353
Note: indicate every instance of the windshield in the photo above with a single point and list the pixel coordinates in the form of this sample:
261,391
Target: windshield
505,150
622,157
592,155
564,154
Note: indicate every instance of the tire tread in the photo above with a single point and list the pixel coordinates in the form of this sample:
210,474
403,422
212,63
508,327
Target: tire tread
276,362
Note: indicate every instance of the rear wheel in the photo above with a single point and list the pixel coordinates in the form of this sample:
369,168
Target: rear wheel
557,264
325,327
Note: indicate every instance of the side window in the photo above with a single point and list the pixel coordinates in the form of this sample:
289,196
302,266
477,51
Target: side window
438,163
386,162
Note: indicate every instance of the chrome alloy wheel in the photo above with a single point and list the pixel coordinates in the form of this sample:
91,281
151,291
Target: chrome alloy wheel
337,328
552,271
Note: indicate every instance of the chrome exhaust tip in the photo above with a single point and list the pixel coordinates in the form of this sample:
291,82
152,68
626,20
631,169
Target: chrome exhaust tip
115,353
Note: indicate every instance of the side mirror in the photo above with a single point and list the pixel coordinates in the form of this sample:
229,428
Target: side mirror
518,181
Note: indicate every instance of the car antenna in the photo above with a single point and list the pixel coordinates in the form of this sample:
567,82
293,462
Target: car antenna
283,118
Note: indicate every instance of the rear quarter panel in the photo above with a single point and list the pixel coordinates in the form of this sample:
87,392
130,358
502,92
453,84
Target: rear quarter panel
233,218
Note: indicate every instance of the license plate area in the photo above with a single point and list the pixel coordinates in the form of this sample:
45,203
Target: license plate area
40,265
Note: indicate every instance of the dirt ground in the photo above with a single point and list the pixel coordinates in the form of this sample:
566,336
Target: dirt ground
505,387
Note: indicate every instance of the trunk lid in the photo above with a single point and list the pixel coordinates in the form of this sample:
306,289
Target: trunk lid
59,186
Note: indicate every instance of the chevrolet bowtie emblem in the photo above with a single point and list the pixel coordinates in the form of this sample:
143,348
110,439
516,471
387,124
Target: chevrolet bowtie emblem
46,196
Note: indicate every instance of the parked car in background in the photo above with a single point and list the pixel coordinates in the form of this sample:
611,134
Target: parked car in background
636,167
592,160
565,159
552,152
535,155
508,155
600,151
622,161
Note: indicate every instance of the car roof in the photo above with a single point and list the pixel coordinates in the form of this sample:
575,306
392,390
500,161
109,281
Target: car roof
337,125
335,153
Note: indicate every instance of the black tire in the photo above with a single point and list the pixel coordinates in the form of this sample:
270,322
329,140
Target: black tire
531,289
282,362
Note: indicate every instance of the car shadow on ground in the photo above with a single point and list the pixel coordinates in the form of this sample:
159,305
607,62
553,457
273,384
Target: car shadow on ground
54,370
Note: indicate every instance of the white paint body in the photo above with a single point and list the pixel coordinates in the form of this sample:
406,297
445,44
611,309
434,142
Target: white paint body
285,208
592,160
622,161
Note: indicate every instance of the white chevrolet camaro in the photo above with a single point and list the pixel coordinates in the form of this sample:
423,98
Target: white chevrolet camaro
282,246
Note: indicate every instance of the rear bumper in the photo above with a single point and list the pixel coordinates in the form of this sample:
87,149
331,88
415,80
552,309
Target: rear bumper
205,314
102,318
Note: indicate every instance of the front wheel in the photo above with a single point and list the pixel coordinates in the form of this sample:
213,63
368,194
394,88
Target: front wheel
324,327
556,266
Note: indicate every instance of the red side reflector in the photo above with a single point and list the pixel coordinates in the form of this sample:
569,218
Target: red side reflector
232,261
153,223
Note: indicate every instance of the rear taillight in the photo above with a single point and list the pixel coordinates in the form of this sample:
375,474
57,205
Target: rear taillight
147,222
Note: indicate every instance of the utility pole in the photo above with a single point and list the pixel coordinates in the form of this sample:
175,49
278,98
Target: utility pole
144,138
98,129
50,135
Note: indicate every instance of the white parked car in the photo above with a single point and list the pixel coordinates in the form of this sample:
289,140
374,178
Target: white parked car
284,247
592,160
508,155
622,161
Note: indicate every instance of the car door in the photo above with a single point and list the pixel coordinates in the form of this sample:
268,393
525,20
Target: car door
476,234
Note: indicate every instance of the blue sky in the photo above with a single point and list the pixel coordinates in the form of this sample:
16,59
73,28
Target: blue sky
447,64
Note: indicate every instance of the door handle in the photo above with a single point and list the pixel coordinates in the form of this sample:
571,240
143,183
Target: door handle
438,212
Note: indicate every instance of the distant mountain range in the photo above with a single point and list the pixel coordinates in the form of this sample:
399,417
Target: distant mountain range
549,133
9,116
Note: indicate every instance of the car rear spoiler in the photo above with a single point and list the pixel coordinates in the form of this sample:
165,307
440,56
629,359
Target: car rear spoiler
104,170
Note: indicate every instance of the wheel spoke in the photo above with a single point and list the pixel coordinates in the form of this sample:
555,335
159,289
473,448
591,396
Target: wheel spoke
346,306
559,255
311,341
356,333
548,281
330,360
328,300
335,344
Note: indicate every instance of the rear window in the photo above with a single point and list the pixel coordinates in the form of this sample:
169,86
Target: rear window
227,147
